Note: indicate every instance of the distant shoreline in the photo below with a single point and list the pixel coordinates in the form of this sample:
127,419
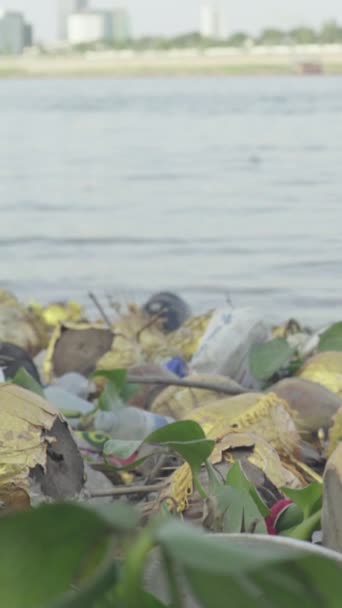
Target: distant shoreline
116,64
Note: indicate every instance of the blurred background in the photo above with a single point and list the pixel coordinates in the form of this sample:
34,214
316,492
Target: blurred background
181,145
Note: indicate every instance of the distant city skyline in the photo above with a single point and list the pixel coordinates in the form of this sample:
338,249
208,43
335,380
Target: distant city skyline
172,17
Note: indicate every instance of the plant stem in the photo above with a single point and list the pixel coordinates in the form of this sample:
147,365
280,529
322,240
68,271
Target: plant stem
173,583
125,490
199,486
133,569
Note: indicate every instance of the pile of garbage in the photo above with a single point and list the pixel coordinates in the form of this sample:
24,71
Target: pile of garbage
79,400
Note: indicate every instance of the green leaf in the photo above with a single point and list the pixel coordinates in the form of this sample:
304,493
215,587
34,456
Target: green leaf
119,387
47,550
23,379
237,479
109,399
120,448
268,358
240,513
190,547
116,376
215,482
331,339
290,517
187,438
94,592
149,601
121,517
308,499
128,391
252,571
305,529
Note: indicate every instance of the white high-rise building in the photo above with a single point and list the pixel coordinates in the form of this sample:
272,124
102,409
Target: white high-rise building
89,27
66,8
14,33
212,23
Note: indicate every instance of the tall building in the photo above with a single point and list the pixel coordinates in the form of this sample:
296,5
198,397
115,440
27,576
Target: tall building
66,8
212,23
89,27
14,33
28,33
121,25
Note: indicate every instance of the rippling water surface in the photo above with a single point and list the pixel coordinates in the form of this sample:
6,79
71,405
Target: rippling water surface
215,188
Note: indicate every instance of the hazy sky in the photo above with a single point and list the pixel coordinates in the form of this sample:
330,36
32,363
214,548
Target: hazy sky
173,16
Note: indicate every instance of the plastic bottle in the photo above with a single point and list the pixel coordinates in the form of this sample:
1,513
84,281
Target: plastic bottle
129,423
65,401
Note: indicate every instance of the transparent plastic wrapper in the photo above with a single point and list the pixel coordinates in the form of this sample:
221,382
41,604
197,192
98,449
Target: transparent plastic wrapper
225,346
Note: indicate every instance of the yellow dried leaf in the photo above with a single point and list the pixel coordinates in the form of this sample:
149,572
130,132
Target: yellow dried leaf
179,489
262,455
178,402
267,416
21,327
56,313
185,340
138,340
261,422
221,413
124,354
326,369
23,418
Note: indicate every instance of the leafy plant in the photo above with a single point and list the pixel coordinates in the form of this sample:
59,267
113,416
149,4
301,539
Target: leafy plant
25,380
116,391
331,339
71,556
267,359
185,437
304,516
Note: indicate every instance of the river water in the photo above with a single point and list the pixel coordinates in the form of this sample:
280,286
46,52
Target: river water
217,188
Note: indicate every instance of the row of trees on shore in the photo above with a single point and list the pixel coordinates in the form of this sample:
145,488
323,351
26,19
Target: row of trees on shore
329,33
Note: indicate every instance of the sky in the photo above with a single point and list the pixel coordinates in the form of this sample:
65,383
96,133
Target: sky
177,16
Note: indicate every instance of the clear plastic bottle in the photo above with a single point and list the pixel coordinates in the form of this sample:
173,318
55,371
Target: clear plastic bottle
129,423
66,401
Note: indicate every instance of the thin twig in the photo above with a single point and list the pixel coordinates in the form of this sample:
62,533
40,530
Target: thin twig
158,467
231,388
102,312
151,322
125,491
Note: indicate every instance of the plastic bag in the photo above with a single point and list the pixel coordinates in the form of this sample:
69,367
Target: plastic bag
225,346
